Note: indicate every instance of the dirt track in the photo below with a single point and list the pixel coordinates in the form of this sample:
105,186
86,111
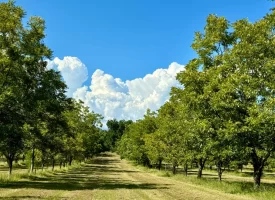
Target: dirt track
109,178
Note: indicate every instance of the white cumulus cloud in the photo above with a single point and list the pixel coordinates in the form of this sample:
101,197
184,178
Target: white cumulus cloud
74,72
114,98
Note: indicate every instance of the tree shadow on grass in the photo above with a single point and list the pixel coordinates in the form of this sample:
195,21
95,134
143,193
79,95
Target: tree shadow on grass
25,197
30,197
107,184
103,161
89,177
106,154
79,183
204,174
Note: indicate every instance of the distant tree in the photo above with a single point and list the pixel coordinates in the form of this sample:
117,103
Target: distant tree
132,143
155,148
172,135
115,130
197,112
92,133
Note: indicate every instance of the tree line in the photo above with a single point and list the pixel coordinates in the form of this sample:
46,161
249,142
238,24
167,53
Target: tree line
224,112
38,121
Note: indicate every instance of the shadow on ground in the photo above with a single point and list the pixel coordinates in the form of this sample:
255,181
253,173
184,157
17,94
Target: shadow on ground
27,197
89,177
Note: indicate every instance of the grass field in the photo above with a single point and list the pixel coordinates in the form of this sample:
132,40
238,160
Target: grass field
108,177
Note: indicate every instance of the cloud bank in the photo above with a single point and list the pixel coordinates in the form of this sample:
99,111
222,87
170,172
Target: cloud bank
114,98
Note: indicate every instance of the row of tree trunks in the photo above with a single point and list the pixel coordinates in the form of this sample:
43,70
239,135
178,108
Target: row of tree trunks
258,165
174,167
62,163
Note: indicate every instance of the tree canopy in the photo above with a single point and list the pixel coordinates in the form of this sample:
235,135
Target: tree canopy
36,116
224,113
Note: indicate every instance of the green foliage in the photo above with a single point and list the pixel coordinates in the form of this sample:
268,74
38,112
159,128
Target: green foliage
224,113
132,143
22,52
115,131
36,117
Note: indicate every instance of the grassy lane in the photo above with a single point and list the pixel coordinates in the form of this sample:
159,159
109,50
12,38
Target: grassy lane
108,177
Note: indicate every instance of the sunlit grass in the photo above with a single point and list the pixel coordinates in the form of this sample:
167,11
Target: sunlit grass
236,183
20,172
232,183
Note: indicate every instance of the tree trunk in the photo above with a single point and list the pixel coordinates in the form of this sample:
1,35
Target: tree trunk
201,163
70,160
241,167
53,163
32,160
159,164
42,167
146,161
186,169
258,172
219,169
10,162
174,168
10,158
258,166
43,162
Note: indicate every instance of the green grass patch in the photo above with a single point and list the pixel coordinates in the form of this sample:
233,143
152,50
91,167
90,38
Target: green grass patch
231,184
21,173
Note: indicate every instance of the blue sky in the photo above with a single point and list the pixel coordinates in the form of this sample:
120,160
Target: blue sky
121,57
131,38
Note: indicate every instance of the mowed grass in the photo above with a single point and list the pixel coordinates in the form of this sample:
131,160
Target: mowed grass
88,181
233,182
20,171
109,177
